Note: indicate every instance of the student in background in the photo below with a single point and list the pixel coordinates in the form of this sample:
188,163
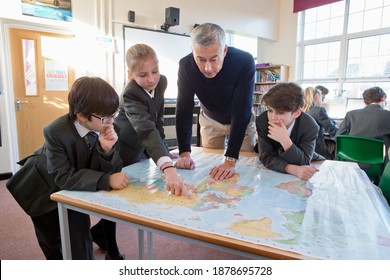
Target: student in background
313,107
372,121
141,116
222,78
78,154
323,91
286,135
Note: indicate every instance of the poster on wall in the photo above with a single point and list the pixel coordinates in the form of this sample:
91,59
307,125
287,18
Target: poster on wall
57,9
56,76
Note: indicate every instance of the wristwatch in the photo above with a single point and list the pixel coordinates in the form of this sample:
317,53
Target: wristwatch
231,159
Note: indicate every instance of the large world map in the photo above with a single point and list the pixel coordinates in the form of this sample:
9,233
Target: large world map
337,214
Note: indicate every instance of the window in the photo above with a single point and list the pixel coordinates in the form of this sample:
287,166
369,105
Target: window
244,43
345,46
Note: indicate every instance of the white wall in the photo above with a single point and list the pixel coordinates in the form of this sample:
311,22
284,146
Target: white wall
250,17
283,50
258,18
93,18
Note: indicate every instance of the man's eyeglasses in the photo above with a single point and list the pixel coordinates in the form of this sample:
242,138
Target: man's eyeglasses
106,120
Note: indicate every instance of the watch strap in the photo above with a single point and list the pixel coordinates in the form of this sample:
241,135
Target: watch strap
231,159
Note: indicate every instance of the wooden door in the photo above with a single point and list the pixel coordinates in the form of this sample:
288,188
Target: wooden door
41,80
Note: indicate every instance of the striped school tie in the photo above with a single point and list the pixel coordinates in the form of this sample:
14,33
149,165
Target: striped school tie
91,139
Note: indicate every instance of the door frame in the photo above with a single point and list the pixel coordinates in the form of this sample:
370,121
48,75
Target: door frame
9,128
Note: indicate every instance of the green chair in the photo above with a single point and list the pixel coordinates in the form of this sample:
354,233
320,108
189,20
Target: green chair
384,183
368,152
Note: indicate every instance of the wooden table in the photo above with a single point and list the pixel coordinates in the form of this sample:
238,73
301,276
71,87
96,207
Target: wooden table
70,200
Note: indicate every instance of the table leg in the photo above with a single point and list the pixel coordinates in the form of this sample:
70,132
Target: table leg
150,245
141,244
64,230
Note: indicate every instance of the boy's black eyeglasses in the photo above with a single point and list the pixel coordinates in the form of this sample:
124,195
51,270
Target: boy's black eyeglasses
106,120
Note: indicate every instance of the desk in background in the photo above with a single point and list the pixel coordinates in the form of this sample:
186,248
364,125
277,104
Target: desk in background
258,213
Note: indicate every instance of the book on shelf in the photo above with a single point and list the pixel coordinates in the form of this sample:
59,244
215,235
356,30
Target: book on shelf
272,73
260,65
257,98
262,88
258,109
271,76
267,75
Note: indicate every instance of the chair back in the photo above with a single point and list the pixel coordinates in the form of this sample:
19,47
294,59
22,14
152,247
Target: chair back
369,151
384,183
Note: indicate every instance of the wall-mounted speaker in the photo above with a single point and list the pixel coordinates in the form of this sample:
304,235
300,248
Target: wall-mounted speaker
131,16
172,16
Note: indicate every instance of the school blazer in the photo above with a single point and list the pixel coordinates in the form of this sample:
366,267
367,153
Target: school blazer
319,114
303,136
63,163
372,121
141,121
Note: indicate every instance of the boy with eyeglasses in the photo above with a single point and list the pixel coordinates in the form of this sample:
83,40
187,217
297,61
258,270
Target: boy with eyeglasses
78,154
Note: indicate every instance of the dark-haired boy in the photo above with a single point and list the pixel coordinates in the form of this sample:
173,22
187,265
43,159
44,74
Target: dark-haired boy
71,160
372,121
286,135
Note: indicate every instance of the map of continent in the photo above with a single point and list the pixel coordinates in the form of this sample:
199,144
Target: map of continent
258,228
206,195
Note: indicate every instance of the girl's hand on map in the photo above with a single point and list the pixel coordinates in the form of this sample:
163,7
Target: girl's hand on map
174,183
118,181
222,171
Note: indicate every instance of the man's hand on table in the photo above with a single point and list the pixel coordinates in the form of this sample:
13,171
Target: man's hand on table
185,161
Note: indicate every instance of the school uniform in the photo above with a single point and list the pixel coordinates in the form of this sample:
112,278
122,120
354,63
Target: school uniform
141,120
64,163
372,121
303,135
319,114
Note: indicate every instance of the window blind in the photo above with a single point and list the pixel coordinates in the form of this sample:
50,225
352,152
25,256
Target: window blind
301,5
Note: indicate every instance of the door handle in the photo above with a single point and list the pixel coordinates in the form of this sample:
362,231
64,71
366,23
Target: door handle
18,102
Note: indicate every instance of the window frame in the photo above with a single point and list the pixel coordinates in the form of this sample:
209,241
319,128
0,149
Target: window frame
344,38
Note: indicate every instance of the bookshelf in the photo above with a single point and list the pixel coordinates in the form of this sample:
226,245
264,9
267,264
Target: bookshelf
266,76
